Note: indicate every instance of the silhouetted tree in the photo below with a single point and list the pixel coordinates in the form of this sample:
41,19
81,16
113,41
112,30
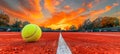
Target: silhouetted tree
25,23
4,19
110,22
73,28
86,25
17,24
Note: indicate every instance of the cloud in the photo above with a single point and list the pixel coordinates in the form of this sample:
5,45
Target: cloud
31,10
95,13
115,4
27,10
51,5
90,5
62,18
67,7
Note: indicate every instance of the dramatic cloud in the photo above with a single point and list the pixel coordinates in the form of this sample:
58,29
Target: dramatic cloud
27,10
51,5
64,20
32,11
95,13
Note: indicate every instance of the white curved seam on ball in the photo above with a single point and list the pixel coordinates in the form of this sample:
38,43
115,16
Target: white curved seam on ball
33,33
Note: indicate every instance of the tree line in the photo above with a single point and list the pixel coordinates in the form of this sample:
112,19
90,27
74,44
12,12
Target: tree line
5,19
100,22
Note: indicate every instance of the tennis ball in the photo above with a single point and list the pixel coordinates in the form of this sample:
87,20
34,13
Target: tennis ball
31,33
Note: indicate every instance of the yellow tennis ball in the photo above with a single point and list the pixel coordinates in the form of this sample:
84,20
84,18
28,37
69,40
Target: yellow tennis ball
31,33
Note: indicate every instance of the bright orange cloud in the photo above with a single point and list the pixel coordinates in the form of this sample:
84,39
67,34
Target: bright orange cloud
51,5
30,14
64,20
32,11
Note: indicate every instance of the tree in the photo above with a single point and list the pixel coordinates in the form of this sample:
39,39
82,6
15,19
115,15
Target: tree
17,24
97,23
110,22
87,25
73,28
4,19
25,23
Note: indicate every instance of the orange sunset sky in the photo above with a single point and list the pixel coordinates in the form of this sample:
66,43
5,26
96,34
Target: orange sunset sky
59,13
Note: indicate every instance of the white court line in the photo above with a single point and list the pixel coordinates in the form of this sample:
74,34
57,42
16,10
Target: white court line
101,34
62,46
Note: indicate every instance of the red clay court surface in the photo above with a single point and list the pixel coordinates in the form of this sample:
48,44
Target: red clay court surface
78,42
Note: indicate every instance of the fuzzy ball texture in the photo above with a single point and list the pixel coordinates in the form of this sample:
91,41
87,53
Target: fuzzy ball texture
31,33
